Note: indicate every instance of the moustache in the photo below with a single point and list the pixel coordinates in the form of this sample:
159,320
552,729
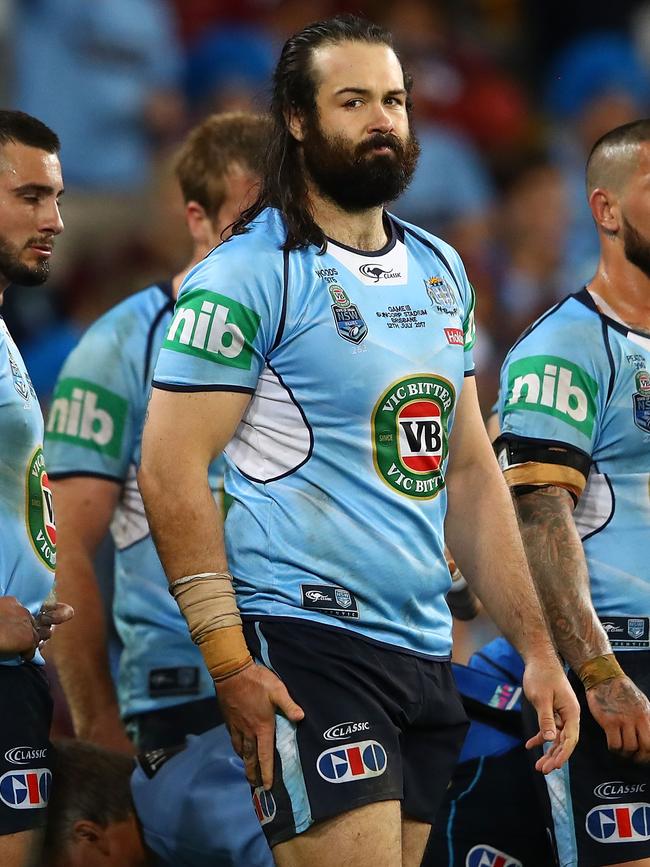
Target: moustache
380,140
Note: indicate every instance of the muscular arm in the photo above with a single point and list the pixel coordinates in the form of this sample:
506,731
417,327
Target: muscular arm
481,530
559,568
84,508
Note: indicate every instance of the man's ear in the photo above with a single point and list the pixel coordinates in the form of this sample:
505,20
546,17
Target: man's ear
295,123
605,211
89,835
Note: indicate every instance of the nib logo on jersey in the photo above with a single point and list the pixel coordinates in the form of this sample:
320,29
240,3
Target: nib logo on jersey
624,823
352,762
40,511
555,387
213,327
25,790
409,430
87,415
486,856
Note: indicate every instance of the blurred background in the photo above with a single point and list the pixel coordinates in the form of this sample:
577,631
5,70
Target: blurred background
509,97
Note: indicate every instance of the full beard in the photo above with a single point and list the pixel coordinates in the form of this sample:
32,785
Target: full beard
356,178
636,247
15,271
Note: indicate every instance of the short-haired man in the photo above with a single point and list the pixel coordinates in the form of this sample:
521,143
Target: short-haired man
188,806
93,448
328,346
30,187
575,420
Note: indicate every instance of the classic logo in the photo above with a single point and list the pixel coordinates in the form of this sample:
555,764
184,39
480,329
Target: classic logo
409,434
618,789
611,627
40,511
24,755
377,273
455,336
213,327
555,387
25,790
626,823
88,415
352,762
264,805
486,856
344,730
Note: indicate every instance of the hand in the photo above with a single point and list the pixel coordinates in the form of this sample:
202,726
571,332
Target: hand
558,711
18,629
50,615
623,713
248,702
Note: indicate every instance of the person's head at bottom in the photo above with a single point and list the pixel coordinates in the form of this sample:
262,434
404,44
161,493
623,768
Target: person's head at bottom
91,817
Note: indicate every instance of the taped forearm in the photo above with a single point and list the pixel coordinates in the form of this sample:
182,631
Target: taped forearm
207,602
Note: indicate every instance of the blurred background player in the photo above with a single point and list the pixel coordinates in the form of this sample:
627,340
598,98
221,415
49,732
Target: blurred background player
575,419
30,187
189,806
93,445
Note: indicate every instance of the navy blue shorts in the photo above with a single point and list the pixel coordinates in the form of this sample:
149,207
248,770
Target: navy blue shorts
379,725
25,749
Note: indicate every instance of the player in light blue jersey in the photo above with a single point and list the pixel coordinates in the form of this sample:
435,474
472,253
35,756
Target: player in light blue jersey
328,347
93,449
575,447
181,807
30,187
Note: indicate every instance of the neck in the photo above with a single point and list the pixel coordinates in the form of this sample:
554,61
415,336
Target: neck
363,230
626,289
200,252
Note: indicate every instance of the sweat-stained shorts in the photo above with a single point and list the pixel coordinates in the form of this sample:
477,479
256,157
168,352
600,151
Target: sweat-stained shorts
379,725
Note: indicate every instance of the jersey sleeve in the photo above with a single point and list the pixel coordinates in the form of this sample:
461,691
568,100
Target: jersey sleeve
550,401
226,320
90,427
468,302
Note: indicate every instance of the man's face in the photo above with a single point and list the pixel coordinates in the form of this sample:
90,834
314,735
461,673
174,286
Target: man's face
30,186
358,148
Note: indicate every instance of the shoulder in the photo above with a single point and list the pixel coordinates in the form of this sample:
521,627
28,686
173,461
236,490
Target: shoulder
131,316
447,254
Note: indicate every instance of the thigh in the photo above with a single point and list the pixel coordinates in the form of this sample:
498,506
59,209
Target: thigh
345,753
491,815
25,761
369,836
23,849
600,801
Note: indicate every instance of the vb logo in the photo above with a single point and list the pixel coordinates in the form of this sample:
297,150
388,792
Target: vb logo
213,327
88,415
554,386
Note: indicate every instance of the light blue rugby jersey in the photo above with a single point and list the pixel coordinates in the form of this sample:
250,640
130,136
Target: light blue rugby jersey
355,362
582,379
94,429
27,528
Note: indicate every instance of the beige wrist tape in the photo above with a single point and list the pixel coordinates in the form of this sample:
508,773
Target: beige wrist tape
207,602
599,669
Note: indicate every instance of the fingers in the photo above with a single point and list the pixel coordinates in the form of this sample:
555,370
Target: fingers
251,764
266,755
282,700
55,614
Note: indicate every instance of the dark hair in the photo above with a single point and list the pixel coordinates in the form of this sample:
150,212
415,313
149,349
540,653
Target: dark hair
212,147
599,169
294,89
16,126
88,783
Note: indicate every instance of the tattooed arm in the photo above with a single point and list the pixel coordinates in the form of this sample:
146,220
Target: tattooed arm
559,569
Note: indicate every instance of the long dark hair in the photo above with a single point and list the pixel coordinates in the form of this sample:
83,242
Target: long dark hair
294,89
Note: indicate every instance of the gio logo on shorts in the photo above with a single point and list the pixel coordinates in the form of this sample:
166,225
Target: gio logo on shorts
486,856
264,805
25,790
352,762
624,823
213,327
553,386
88,415
409,433
40,511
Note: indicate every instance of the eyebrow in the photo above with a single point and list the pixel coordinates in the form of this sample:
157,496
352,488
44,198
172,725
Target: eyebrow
39,189
363,91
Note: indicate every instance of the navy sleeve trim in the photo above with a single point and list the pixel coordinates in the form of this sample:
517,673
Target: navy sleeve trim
285,294
166,308
539,321
471,372
165,386
610,358
71,474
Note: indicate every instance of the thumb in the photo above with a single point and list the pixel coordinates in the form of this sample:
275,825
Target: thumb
287,705
55,614
546,721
